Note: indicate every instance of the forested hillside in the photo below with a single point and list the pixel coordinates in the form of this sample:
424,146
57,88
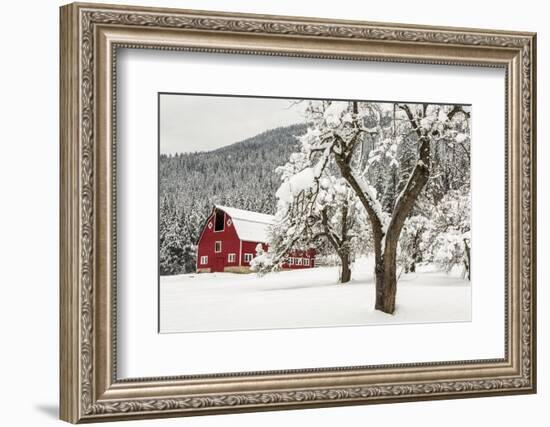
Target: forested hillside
241,175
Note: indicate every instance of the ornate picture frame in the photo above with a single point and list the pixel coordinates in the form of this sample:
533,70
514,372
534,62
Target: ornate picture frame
90,37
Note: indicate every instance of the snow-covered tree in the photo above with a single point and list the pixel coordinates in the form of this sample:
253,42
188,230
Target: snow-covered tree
315,210
414,242
176,250
262,262
339,220
356,136
451,232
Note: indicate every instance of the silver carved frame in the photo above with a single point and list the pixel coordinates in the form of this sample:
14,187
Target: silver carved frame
90,36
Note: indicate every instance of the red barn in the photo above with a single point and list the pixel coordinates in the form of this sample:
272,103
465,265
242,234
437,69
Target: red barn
229,239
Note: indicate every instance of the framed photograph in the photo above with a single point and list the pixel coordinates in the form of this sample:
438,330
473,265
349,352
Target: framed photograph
267,212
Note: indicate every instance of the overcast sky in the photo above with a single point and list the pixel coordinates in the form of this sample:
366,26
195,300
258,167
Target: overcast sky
203,123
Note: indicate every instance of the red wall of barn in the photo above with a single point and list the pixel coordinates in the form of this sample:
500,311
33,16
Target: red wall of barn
230,243
206,245
310,254
250,247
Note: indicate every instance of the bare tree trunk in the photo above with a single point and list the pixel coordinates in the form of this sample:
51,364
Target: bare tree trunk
416,254
344,247
340,244
345,273
386,285
386,267
467,260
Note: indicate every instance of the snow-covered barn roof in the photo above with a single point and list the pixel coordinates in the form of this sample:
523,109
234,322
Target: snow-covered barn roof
250,226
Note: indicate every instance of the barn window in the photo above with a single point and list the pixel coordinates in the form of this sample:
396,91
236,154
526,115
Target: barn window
218,246
299,261
306,262
218,225
291,261
247,257
231,257
204,259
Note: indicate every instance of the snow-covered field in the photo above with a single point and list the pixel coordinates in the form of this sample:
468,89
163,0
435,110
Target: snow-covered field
306,298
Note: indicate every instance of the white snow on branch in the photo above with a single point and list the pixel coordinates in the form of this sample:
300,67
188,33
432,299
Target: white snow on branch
302,181
289,189
336,113
372,197
312,136
427,122
461,137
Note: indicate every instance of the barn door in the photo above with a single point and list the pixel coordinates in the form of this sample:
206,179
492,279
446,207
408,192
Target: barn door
218,263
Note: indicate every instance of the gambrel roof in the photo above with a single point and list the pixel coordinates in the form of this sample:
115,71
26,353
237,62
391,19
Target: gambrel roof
250,226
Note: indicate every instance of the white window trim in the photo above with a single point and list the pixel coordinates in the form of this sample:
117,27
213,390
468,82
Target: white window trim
216,245
299,261
291,261
204,259
248,257
232,257
306,262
